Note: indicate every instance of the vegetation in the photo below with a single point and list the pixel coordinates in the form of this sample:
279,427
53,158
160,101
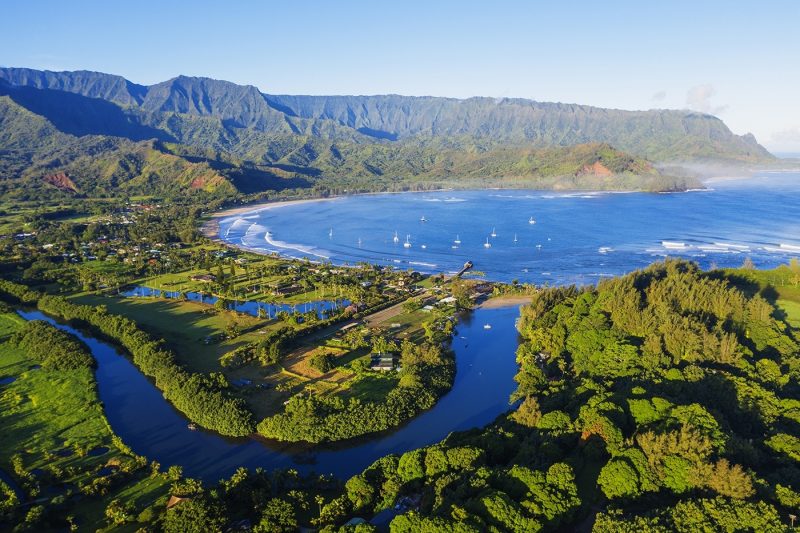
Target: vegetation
92,135
57,445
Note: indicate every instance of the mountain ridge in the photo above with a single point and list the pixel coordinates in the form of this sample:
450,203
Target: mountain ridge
659,135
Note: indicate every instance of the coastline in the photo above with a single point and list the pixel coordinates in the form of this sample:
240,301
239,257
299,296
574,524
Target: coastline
210,228
510,300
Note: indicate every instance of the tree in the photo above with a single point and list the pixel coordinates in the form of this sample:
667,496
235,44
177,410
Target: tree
528,413
195,515
278,516
618,479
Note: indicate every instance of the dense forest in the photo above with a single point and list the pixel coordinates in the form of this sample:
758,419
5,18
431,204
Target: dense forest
663,400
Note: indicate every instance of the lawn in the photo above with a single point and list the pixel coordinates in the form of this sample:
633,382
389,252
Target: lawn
185,326
51,420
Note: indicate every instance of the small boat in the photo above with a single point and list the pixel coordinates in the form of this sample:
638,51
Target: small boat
423,219
192,426
515,237
494,233
454,247
531,221
458,240
407,244
330,233
396,239
359,242
487,244
424,247
487,326
538,246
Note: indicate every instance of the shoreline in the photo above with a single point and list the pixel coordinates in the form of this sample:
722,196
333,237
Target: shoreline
510,300
210,228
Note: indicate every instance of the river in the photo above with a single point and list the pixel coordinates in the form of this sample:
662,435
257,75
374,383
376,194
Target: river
146,422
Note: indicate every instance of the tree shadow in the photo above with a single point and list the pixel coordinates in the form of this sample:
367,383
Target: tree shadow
79,115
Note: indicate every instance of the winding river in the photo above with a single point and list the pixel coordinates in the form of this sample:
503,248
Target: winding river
145,421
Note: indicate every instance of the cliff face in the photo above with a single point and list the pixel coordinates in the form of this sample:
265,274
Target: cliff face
179,110
61,181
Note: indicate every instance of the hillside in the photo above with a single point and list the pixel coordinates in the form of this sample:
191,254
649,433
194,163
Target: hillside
107,135
661,135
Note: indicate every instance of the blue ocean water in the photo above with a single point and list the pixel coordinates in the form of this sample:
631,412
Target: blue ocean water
577,237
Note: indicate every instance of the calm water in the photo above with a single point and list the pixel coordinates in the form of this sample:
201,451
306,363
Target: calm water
150,425
577,237
322,307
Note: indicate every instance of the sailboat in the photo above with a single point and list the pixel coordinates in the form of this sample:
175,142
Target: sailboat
458,240
330,233
396,239
487,244
531,221
423,219
494,233
515,237
407,244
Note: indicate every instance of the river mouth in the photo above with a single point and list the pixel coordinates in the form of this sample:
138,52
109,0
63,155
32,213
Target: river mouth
139,414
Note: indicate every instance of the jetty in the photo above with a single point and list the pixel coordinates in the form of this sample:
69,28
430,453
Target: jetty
467,266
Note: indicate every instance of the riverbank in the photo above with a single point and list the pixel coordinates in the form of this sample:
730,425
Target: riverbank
510,300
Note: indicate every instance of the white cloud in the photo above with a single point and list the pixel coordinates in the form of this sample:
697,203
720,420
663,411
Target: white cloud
659,96
699,99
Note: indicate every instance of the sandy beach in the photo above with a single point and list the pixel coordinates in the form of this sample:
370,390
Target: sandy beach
210,228
506,301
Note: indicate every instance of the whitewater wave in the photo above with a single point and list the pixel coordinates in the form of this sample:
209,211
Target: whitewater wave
309,250
449,199
420,263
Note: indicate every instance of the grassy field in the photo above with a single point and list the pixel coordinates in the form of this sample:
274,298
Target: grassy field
53,421
184,326
780,285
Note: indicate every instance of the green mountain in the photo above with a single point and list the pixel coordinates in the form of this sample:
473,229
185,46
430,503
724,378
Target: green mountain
104,133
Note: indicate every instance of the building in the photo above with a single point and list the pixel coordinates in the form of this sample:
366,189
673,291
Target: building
383,362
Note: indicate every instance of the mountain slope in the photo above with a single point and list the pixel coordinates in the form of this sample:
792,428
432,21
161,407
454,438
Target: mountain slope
661,135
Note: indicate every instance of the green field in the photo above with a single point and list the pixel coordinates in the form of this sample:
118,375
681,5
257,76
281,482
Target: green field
780,286
184,326
51,420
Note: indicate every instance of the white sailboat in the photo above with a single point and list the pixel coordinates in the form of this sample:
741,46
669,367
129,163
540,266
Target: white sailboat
487,244
458,240
330,233
423,219
407,244
494,233
515,237
531,221
396,239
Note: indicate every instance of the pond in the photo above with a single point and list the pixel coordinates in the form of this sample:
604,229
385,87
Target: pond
251,307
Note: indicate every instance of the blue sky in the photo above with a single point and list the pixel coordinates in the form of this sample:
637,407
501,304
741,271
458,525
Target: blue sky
738,60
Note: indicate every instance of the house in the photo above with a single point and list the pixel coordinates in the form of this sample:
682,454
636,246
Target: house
205,278
286,290
447,301
383,362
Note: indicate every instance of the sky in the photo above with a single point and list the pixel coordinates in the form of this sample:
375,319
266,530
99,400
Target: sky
739,60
